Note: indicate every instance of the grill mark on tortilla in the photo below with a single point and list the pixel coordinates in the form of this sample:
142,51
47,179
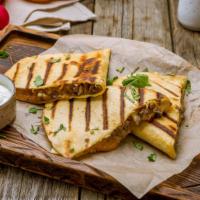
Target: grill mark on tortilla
84,66
173,83
165,88
80,70
64,70
163,128
15,74
170,118
105,111
87,114
96,67
71,105
141,94
30,75
53,110
122,104
48,69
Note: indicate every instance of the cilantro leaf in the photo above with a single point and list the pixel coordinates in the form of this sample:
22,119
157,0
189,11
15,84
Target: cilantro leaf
61,127
152,157
110,81
92,131
33,110
138,145
120,69
54,60
38,81
138,81
72,150
3,54
34,130
2,136
146,70
188,88
134,94
46,120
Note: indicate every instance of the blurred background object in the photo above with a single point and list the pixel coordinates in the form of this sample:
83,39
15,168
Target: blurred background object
49,17
40,1
189,14
4,17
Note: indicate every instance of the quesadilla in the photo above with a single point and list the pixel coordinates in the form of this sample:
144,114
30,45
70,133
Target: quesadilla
162,132
46,78
79,126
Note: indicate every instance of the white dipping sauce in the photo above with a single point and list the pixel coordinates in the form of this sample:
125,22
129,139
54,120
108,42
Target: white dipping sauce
5,94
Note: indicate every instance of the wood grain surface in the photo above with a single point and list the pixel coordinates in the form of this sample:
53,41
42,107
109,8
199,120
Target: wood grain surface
146,20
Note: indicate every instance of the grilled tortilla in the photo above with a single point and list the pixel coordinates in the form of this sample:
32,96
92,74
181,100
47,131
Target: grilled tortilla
162,132
47,78
79,126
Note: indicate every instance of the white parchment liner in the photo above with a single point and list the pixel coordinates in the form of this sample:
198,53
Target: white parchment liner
127,164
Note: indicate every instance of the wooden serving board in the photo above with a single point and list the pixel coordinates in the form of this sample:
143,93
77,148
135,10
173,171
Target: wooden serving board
18,151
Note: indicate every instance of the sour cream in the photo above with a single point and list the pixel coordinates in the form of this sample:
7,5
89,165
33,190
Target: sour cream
5,94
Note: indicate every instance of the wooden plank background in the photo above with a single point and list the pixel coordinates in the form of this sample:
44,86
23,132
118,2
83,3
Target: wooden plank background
146,20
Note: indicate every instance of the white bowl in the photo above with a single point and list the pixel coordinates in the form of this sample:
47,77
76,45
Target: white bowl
8,108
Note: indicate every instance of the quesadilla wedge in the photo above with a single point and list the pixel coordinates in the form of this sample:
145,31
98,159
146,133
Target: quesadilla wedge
80,126
46,78
162,132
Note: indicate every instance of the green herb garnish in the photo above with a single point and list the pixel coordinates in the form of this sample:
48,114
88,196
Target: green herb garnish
34,130
134,94
138,81
33,110
72,150
92,131
46,120
188,88
62,127
2,136
55,60
120,69
110,81
146,70
4,54
38,81
152,157
67,57
138,145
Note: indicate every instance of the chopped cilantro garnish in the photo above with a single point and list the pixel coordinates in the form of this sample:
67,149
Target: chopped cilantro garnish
138,145
33,110
62,127
188,88
146,70
46,120
134,94
110,81
72,150
67,57
138,81
120,69
38,81
92,131
2,136
3,54
54,60
152,157
35,129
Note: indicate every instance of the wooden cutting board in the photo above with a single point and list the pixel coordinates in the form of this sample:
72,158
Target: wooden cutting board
18,151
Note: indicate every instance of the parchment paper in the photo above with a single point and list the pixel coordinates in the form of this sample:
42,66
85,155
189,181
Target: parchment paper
127,164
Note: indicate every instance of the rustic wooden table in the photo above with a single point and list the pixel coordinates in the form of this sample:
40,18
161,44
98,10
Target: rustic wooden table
146,20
